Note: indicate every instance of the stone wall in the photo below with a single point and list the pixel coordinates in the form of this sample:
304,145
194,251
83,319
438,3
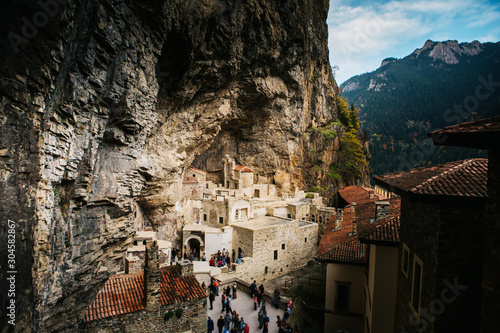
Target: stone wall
194,317
262,265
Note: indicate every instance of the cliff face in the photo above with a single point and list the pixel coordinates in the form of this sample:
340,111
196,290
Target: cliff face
104,103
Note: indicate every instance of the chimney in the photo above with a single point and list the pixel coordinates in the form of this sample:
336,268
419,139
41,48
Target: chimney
354,226
152,278
185,267
382,209
372,194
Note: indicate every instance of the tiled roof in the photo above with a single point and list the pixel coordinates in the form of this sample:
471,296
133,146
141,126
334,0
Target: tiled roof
176,288
125,293
197,170
332,238
242,168
120,295
352,252
482,134
483,125
385,231
465,178
358,194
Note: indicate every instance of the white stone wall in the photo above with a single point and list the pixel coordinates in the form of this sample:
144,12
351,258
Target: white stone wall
246,179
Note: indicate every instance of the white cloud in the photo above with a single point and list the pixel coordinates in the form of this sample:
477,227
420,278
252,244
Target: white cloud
361,36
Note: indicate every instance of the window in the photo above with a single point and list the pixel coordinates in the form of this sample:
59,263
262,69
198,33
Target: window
342,296
236,213
289,216
416,288
313,218
194,175
282,246
405,260
205,217
276,255
321,219
305,240
221,220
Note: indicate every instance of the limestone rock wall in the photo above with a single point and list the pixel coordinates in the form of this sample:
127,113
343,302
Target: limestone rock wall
105,103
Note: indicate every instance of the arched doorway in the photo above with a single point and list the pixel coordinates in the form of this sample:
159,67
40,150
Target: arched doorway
196,243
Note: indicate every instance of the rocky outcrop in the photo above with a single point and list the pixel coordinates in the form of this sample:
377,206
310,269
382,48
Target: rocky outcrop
104,104
450,51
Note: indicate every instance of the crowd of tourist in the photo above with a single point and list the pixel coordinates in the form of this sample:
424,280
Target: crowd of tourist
231,322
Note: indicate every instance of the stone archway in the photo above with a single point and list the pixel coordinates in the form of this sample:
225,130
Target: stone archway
194,242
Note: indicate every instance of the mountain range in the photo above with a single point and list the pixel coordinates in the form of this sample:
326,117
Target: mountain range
438,85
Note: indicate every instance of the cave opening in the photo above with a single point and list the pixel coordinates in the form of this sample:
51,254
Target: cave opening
173,63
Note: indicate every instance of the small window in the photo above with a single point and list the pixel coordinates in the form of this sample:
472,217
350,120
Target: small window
282,246
321,219
405,260
236,214
205,217
342,296
416,288
289,216
207,186
221,220
194,175
305,240
313,218
276,255
135,242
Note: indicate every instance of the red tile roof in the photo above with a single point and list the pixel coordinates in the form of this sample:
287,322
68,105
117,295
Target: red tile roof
176,288
359,194
120,295
385,232
482,134
242,168
465,178
197,170
125,293
343,237
351,252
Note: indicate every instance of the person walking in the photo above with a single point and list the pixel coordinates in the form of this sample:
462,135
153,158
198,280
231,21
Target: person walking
255,302
220,324
242,325
235,286
266,328
211,298
278,321
210,325
227,320
216,285
246,329
223,302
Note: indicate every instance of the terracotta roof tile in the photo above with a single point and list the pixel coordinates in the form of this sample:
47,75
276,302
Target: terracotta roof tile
176,288
352,251
483,125
243,168
358,194
125,293
385,231
461,178
120,295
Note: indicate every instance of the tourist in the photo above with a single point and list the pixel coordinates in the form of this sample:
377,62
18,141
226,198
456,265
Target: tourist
234,256
242,325
265,319
228,304
203,257
259,318
264,303
210,325
235,286
227,320
290,304
236,321
255,302
259,298
266,328
276,298
211,262
220,324
228,261
223,302
203,285
246,329
211,298
253,288
216,284
212,287
278,321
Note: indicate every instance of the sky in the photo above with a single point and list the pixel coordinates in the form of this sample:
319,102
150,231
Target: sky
364,32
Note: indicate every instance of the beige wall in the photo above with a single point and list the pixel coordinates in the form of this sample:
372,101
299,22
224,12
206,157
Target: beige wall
246,179
344,273
382,284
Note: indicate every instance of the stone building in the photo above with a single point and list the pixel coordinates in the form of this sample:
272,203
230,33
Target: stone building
156,300
483,134
352,281
442,233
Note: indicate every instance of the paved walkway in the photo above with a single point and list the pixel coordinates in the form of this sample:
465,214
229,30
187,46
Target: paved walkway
243,305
